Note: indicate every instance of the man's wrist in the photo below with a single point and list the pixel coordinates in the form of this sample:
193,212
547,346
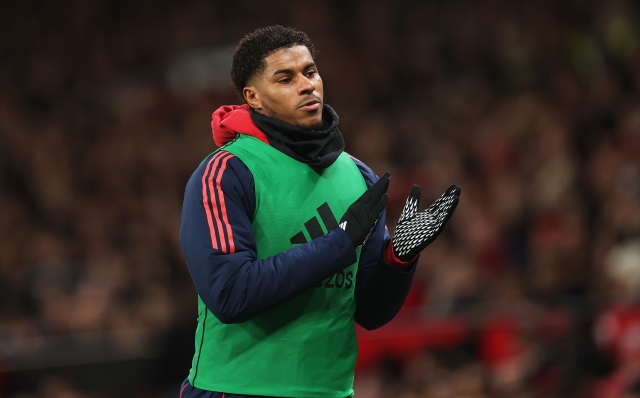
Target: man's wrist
389,257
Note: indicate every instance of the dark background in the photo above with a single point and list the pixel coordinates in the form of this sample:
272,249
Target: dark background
532,107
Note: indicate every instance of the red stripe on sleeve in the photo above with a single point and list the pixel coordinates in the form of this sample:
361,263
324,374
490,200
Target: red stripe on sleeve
220,231
205,201
223,207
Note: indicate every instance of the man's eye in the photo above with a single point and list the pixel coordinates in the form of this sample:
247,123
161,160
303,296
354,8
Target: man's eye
284,80
311,73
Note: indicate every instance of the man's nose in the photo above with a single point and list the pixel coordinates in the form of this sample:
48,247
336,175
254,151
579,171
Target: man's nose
306,86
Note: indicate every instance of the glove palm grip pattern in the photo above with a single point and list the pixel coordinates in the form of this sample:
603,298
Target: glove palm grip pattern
416,230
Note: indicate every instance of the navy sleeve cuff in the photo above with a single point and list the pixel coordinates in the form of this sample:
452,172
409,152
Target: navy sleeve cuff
345,253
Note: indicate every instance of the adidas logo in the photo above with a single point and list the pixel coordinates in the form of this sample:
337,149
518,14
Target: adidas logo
313,226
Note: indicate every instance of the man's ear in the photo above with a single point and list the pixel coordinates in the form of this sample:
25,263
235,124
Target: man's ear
252,97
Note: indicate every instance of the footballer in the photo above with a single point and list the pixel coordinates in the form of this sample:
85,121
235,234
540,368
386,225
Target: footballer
284,235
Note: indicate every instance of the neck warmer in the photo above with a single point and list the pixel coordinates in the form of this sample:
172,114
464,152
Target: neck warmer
317,148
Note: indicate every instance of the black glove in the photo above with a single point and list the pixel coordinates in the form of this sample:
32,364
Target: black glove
363,214
416,230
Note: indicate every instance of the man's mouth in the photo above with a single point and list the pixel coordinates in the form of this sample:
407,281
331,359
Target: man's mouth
310,105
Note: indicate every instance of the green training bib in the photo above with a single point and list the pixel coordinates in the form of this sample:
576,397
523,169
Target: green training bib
305,347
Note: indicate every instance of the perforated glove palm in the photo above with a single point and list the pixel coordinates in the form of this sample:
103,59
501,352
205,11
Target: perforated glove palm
416,230
363,214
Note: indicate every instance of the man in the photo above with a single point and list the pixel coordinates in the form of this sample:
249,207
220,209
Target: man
280,280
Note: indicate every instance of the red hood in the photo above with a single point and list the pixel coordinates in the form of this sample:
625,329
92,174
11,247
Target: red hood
231,120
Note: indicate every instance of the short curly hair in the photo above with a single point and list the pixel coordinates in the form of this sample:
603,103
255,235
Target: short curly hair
250,54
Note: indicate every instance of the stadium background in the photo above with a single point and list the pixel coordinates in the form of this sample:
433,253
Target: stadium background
532,107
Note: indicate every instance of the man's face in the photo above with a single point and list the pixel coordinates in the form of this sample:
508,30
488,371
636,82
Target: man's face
289,89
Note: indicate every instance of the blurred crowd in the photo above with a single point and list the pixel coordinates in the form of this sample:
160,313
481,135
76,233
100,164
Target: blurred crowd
532,107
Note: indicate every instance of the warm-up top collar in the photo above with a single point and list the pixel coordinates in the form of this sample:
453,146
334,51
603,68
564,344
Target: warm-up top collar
319,148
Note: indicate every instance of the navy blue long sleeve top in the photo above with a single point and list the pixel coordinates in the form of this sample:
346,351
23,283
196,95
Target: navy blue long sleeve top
236,286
